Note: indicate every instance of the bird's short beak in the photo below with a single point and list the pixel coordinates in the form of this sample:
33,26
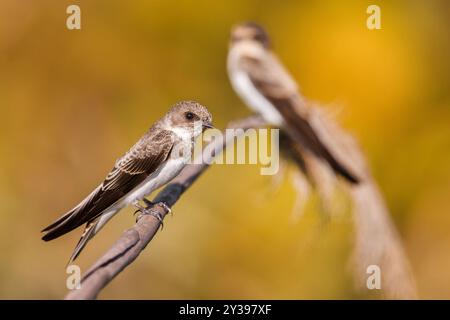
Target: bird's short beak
207,126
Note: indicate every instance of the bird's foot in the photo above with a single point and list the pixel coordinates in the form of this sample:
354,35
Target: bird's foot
166,207
147,211
150,212
162,204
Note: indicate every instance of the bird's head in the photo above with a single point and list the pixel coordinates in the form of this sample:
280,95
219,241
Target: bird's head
189,116
250,31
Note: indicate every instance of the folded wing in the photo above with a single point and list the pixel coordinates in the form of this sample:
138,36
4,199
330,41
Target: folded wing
129,171
275,84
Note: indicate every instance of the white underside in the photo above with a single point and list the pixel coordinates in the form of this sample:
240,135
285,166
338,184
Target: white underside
167,172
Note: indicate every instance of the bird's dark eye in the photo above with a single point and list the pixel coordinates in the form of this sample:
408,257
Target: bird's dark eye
189,115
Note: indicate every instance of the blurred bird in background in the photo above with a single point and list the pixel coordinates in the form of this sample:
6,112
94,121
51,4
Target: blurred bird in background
266,87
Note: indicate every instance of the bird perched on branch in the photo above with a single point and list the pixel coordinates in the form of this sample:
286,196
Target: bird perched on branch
266,87
159,155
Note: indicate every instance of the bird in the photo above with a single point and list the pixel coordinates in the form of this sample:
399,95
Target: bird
156,158
266,87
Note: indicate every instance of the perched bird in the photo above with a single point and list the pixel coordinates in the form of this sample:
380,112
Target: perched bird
266,87
154,160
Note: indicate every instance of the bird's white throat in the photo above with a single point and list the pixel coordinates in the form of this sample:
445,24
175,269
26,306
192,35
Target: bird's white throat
186,134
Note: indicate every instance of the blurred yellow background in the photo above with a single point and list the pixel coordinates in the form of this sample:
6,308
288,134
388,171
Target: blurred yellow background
73,101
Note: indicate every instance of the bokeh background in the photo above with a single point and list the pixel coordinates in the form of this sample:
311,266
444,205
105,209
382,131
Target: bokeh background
73,101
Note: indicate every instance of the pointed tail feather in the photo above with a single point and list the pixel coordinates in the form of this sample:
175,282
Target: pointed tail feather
88,233
339,168
92,227
79,215
60,227
59,221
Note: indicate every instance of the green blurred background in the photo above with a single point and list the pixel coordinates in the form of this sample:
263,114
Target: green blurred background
73,101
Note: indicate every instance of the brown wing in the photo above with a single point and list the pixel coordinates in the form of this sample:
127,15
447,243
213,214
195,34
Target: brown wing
272,80
134,167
